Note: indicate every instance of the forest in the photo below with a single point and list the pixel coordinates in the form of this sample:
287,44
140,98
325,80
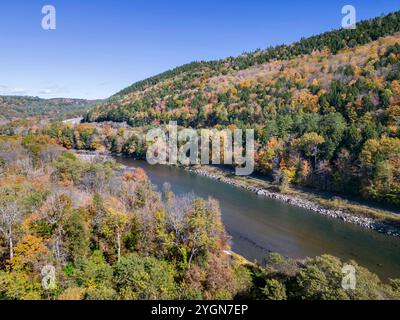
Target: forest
105,232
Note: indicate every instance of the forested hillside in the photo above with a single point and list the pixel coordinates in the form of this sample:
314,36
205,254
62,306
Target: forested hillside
16,107
326,110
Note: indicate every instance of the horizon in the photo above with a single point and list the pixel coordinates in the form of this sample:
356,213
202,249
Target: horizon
50,68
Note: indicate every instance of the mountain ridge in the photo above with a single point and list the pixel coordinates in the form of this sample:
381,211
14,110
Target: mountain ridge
315,42
17,107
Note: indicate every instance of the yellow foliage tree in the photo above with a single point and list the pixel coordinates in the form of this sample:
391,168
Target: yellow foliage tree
29,254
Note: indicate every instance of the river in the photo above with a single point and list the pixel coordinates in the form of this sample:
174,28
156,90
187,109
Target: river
259,225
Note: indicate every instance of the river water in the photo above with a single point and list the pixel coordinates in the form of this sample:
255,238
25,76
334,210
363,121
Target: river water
259,225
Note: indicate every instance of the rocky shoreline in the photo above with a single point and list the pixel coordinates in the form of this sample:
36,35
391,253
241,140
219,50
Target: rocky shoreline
305,204
91,156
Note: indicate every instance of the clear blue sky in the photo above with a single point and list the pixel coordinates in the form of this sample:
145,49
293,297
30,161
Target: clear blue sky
100,47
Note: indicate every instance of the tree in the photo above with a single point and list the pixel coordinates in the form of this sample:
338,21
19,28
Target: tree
144,278
380,159
114,225
332,128
346,172
284,182
313,284
303,172
19,286
68,168
274,290
309,143
56,211
324,171
76,233
395,284
194,229
95,276
10,215
30,255
321,279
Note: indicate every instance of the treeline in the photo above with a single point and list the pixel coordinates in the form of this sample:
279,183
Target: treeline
74,229
365,32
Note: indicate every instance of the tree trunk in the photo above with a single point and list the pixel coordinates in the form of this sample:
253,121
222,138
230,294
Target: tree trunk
119,246
192,253
57,247
11,245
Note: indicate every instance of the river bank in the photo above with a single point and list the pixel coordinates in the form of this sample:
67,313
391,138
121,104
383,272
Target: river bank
365,217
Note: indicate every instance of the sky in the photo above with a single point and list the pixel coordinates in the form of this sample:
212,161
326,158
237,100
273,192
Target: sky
100,47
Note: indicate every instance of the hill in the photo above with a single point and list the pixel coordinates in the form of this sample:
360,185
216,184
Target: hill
17,107
326,110
334,41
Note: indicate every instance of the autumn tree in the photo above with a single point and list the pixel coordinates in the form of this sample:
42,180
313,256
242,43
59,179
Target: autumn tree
194,228
10,216
56,210
30,255
309,143
114,225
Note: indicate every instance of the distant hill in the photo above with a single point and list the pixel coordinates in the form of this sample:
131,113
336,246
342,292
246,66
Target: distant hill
17,107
